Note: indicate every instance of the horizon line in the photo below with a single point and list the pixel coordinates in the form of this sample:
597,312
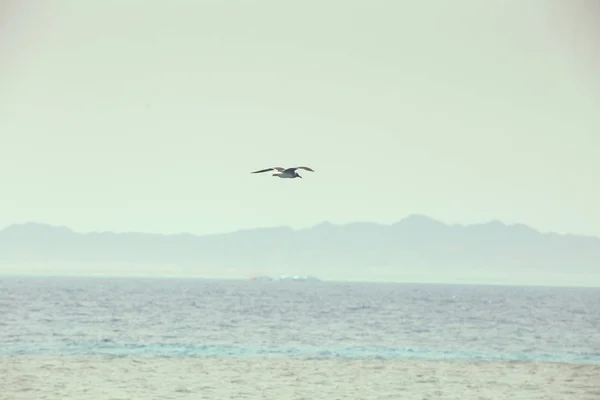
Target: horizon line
321,280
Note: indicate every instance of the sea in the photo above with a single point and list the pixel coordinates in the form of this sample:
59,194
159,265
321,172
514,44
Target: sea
176,317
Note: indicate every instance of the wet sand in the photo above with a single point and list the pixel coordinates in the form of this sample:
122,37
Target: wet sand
201,378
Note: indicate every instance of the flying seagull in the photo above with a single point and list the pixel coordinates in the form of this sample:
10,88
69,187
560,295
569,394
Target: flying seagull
284,172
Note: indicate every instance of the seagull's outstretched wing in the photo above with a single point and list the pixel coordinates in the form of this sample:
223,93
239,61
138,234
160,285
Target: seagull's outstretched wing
305,168
268,169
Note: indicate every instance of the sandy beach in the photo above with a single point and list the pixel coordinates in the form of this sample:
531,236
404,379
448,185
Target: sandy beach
188,378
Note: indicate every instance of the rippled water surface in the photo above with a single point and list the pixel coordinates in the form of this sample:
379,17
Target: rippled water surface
175,317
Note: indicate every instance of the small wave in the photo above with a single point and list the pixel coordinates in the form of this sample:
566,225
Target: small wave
107,347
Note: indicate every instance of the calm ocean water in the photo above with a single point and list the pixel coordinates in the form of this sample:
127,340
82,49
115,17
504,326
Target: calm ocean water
176,317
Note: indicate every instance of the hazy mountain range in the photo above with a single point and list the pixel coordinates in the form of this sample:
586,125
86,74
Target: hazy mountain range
415,248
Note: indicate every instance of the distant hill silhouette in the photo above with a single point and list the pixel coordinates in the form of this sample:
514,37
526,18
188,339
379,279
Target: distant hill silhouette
414,246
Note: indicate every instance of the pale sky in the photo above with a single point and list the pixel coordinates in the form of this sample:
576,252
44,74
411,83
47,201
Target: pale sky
149,115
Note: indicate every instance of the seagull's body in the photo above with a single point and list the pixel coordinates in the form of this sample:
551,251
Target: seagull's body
286,173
